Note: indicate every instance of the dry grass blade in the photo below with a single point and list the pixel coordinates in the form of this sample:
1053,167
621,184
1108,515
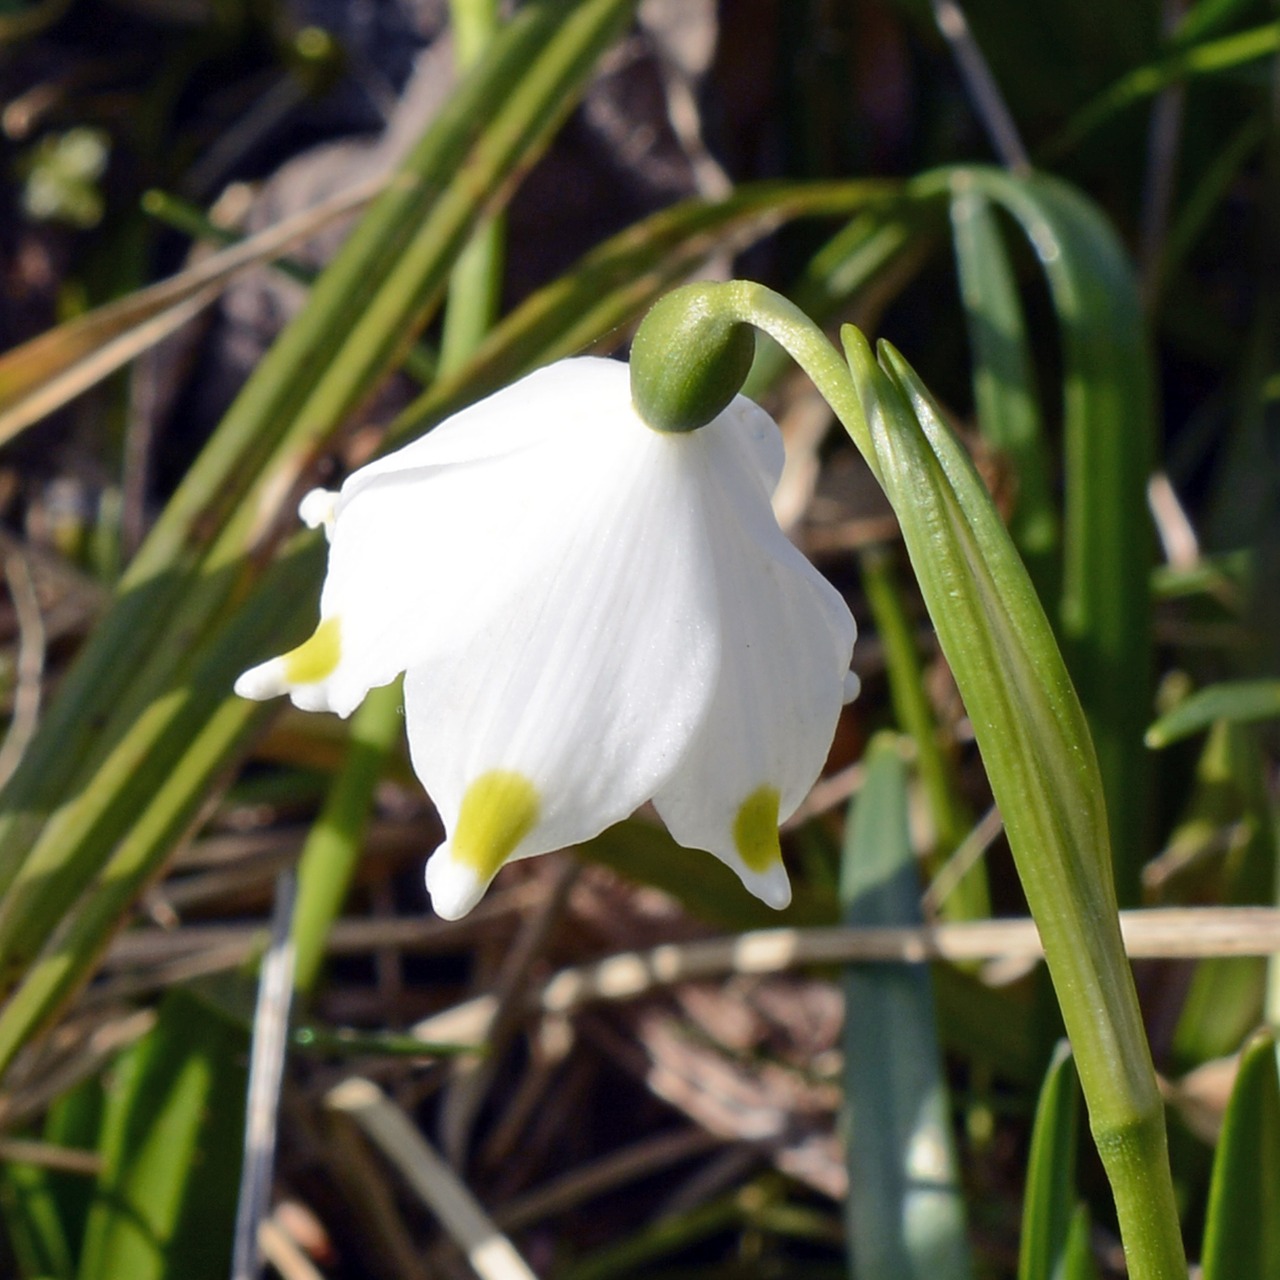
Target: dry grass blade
491,1254
1164,934
46,1155
43,374
1172,933
283,1253
266,1068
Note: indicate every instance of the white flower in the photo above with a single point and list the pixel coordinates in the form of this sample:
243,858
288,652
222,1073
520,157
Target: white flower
590,614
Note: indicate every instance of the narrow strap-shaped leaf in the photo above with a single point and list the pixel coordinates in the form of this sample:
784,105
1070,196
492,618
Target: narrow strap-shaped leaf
1229,792
148,793
1077,1259
1242,1227
41,375
1004,388
905,1208
1035,744
34,1233
1240,701
171,1147
1141,83
1048,1205
1108,426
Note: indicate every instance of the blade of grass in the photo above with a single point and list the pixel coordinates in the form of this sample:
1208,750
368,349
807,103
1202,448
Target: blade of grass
1048,1206
171,1144
1004,388
1227,829
34,1233
43,374
905,1211
333,847
1242,1225
1224,54
1240,701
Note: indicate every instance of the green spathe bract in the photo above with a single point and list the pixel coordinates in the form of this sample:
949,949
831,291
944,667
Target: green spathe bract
689,359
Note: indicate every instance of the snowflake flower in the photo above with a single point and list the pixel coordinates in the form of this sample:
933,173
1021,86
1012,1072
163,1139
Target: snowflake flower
590,614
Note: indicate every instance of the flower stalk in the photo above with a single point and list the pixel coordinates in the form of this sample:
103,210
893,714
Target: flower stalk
1030,729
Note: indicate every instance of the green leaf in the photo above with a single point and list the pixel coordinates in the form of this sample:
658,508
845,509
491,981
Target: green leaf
44,373
935,756
1039,758
905,1210
171,1141
1240,701
1242,1227
1223,844
1004,388
1048,1206
33,1226
1141,83
1077,1259
1109,431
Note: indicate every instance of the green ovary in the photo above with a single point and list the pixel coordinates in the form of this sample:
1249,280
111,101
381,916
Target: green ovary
755,829
498,810
316,658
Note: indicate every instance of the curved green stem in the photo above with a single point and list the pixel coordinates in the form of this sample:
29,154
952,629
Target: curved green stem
1030,728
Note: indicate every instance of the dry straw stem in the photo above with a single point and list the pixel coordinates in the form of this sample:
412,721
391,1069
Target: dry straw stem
1171,933
491,1254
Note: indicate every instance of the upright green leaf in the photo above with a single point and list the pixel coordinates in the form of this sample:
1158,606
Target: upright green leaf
1225,830
1108,427
1242,1227
1004,389
1048,1206
33,1226
905,1209
1039,758
171,1142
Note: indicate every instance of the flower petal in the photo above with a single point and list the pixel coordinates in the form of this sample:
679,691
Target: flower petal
426,531
786,640
586,673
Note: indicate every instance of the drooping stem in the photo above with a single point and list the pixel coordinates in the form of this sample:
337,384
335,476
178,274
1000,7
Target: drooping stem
1031,731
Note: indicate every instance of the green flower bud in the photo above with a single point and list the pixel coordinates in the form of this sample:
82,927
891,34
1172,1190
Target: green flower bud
689,359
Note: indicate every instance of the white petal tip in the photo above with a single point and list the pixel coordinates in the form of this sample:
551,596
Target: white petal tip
266,680
773,888
317,508
454,888
852,687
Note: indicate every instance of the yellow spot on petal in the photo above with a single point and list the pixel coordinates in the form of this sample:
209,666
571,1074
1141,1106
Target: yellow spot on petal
316,658
755,829
499,809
